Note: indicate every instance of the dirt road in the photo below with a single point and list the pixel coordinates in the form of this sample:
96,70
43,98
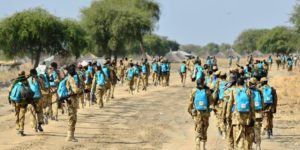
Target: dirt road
156,119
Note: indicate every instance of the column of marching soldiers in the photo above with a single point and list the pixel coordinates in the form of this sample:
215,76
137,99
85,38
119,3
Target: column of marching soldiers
48,89
242,99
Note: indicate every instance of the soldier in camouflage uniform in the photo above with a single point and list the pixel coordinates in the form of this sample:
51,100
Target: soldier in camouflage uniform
220,104
270,104
99,84
121,71
54,80
200,104
241,112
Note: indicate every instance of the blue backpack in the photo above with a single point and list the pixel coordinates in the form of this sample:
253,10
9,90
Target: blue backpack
101,79
88,79
201,101
136,70
154,67
222,89
53,77
242,100
267,94
259,66
168,67
77,80
35,87
182,68
144,69
164,68
290,63
62,90
257,99
199,72
45,80
15,94
105,69
130,74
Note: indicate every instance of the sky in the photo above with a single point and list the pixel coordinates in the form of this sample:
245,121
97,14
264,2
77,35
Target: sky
186,21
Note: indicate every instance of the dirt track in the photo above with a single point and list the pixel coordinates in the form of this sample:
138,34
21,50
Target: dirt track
156,119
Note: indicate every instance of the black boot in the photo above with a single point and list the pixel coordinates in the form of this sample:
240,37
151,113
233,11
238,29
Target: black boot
271,131
21,133
40,128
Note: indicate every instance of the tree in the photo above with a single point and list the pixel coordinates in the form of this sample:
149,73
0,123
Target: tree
74,38
247,40
31,33
223,47
115,23
212,48
278,40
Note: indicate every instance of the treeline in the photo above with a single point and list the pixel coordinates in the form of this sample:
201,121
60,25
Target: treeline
106,28
280,39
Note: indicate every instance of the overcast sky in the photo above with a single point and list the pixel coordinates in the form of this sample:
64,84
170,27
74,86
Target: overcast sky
186,21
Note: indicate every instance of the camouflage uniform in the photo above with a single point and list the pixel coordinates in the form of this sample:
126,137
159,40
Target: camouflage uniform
98,89
54,105
242,123
72,107
155,74
121,72
36,113
228,124
268,111
88,85
201,118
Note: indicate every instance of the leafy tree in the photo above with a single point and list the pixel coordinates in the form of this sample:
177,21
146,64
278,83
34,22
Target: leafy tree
74,38
31,33
278,40
191,48
114,23
223,47
247,40
212,48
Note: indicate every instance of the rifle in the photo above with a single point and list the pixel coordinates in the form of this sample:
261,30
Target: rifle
62,99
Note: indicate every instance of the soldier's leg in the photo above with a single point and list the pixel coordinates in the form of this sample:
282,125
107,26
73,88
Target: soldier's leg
55,105
39,114
33,118
138,84
230,140
17,114
49,106
72,118
113,91
257,133
23,109
184,79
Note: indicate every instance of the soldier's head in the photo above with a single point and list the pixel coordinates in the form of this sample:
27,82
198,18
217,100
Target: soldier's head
33,72
121,62
79,66
223,75
53,65
21,73
201,83
72,70
131,64
205,66
264,81
240,81
183,62
252,82
215,68
99,67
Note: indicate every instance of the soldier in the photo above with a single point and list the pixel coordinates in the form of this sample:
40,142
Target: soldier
121,71
155,72
241,113
191,67
113,77
54,80
258,103
220,104
36,108
198,71
182,72
88,75
200,104
144,75
99,84
80,75
148,71
72,83
45,88
290,64
130,78
167,78
108,85
18,101
137,76
270,104
270,62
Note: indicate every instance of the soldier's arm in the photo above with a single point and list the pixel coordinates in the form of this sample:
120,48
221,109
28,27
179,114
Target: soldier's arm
275,99
93,88
71,86
210,99
229,105
191,101
252,105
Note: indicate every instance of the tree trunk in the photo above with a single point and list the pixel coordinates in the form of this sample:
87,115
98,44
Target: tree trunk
142,48
37,58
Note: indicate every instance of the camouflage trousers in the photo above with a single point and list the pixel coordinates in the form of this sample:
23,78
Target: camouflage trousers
47,104
108,90
144,81
72,113
54,105
20,111
130,85
220,116
154,78
100,91
137,82
201,126
87,96
243,137
257,131
267,120
183,78
80,102
36,114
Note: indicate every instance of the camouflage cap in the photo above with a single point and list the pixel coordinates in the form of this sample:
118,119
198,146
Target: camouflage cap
263,79
223,73
217,73
253,80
